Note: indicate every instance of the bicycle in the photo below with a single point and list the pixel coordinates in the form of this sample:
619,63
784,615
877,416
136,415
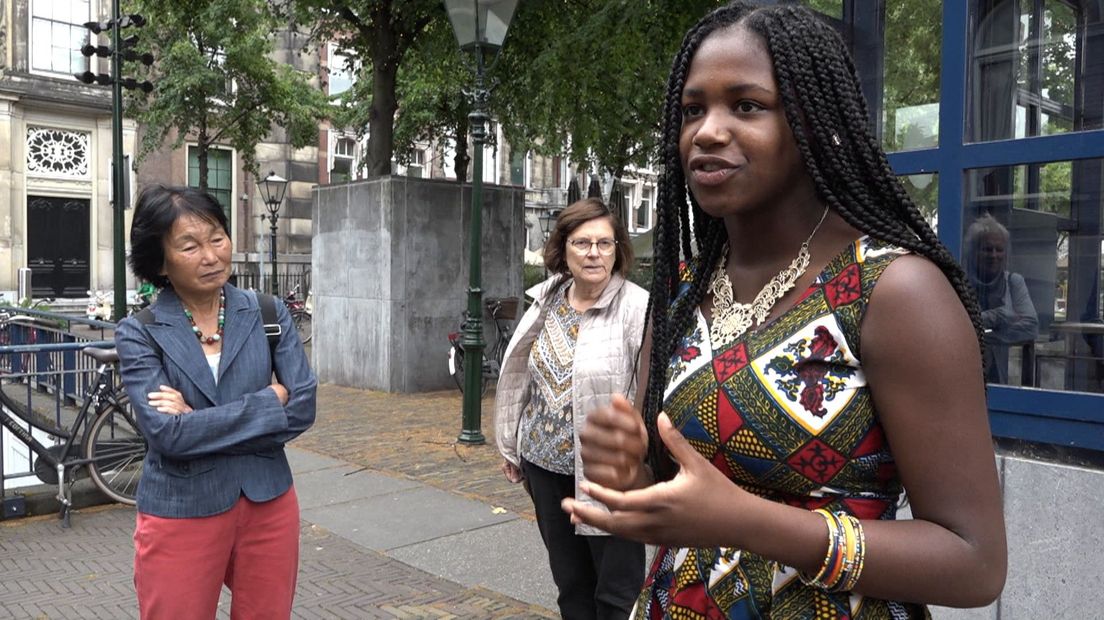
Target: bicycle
300,310
104,438
502,310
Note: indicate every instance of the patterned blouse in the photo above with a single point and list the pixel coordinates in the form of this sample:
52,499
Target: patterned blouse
547,428
785,412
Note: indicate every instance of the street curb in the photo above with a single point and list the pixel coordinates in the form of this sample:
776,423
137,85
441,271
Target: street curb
41,499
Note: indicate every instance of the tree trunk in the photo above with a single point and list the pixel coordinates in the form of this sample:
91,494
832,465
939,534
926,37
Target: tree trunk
462,159
202,147
381,118
381,124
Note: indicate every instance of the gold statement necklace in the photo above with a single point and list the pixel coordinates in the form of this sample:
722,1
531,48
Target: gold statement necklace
732,319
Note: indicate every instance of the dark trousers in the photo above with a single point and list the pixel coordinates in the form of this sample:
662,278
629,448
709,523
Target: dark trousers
599,577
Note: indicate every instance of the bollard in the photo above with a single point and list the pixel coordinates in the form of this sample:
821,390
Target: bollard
24,284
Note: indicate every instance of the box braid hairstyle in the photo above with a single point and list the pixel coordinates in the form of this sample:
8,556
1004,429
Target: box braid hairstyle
825,109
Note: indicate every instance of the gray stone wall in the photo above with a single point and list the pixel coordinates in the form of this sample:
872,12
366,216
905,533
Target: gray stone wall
1055,543
390,276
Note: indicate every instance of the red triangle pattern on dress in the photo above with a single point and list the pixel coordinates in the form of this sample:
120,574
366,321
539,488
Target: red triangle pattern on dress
732,361
845,288
729,419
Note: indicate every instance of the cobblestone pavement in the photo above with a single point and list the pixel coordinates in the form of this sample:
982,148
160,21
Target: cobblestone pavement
413,436
85,572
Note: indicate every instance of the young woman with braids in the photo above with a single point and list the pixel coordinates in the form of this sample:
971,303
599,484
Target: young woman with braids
813,355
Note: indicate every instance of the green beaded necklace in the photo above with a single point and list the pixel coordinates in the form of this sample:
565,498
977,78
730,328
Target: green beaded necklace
213,338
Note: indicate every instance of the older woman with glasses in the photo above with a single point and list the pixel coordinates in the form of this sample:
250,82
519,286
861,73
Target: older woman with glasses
574,350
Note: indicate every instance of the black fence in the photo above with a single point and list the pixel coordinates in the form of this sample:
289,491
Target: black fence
258,276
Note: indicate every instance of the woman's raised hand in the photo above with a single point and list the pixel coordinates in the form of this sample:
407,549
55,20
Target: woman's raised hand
614,442
695,509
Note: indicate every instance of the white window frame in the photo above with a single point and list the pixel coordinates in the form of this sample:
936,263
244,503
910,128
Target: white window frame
333,52
650,190
80,20
419,153
335,138
232,208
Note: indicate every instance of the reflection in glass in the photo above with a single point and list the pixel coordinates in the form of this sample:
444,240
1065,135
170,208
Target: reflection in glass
913,34
1007,314
1035,66
923,189
832,8
1043,224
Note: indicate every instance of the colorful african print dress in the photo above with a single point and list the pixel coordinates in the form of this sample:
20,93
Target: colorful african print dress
785,412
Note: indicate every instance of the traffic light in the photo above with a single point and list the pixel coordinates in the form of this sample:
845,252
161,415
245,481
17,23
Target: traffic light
124,53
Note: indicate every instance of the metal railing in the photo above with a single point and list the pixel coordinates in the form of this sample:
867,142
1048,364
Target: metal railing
291,270
42,368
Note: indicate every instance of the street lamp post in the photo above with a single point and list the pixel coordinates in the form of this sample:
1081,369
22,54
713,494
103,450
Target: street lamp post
480,27
272,190
548,221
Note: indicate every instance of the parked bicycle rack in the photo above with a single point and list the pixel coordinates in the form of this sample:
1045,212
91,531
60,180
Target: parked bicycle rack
40,353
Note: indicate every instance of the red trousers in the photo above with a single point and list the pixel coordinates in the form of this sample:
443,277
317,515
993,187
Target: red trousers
180,565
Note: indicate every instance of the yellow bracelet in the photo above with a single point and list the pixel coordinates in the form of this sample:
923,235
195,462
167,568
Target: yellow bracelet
832,558
859,559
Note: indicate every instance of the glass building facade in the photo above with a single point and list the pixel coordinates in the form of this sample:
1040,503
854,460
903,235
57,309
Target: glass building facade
992,112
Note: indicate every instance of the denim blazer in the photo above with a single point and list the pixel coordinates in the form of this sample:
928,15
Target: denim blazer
232,443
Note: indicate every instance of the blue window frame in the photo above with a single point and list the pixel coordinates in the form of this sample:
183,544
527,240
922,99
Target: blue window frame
1074,419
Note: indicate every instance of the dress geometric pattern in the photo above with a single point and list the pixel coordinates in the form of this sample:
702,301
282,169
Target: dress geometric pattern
785,412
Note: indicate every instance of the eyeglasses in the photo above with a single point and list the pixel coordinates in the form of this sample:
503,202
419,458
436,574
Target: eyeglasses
582,246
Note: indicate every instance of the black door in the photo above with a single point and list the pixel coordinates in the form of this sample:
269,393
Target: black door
57,246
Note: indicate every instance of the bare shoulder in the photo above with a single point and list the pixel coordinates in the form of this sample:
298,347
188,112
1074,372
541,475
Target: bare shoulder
914,310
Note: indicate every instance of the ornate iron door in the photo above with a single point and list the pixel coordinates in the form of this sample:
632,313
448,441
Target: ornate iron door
58,246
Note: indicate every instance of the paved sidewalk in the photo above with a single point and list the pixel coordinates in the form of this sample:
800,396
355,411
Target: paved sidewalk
398,522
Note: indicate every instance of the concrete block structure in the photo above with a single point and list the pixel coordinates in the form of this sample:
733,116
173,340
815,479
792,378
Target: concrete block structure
390,276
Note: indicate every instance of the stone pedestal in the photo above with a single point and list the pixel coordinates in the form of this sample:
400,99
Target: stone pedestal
390,276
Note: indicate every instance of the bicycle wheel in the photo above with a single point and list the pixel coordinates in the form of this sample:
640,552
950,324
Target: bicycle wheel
456,369
302,321
116,450
456,366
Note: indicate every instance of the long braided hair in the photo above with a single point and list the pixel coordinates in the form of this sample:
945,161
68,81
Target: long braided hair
827,113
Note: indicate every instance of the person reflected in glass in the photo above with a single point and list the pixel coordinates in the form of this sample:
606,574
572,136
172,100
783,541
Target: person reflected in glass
812,351
575,348
1007,314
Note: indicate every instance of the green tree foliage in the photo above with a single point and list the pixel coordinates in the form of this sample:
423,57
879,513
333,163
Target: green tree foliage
587,77
431,86
582,77
215,81
913,34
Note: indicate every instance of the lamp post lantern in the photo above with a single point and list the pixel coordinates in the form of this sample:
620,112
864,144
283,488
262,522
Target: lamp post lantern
480,27
272,189
548,221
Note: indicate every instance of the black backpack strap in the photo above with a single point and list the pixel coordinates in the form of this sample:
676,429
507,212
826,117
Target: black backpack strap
272,327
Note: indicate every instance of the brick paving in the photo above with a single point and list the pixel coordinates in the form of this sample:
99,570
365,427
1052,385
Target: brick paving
413,436
85,572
